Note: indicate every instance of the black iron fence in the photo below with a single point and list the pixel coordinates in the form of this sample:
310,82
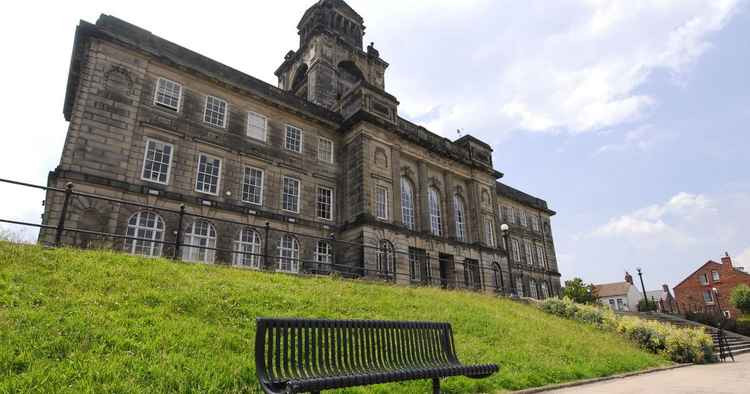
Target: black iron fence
330,255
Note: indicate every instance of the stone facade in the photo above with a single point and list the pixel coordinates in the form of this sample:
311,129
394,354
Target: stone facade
695,293
330,98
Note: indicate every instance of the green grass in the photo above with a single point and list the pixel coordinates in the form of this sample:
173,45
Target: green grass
98,321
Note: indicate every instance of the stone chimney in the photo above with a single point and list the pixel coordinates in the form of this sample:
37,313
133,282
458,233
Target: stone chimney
726,260
628,278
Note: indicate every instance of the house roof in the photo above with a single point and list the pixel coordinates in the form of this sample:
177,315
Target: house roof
707,263
612,289
656,295
524,198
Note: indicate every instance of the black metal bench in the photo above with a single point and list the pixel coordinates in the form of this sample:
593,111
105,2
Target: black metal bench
301,355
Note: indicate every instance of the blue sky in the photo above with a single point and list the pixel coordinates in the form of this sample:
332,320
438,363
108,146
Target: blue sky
629,118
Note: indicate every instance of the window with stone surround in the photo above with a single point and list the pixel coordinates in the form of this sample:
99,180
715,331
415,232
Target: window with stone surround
147,225
323,256
407,203
257,126
385,259
168,94
252,186
325,203
436,215
419,266
516,215
540,256
288,254
381,202
198,238
519,287
504,213
293,139
534,222
209,172
247,249
290,194
215,112
489,232
516,250
529,255
532,289
325,150
523,218
157,161
545,290
459,211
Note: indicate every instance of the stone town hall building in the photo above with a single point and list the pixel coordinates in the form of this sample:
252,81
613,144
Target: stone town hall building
322,154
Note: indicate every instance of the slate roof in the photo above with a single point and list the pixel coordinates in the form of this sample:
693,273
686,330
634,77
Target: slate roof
521,197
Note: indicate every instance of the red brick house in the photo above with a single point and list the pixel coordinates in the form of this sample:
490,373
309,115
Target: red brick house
695,293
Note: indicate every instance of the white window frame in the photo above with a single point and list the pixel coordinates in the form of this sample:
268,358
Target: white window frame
524,223
381,206
489,232
459,211
324,259
245,184
137,230
516,250
286,138
532,289
715,276
218,176
436,212
703,279
265,126
299,193
223,124
318,202
293,261
408,211
190,251
710,299
528,252
540,256
324,160
164,105
145,157
240,246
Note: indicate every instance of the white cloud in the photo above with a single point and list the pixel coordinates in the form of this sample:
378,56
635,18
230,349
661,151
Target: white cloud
742,259
642,138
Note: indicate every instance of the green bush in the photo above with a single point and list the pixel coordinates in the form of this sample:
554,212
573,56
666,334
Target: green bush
682,345
740,298
646,306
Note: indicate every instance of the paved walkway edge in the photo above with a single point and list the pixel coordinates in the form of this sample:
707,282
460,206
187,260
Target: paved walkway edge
597,380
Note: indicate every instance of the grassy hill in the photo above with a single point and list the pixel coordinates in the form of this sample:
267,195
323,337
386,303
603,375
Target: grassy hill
96,321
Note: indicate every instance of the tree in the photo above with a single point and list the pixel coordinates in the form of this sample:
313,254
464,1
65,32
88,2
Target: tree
740,298
579,292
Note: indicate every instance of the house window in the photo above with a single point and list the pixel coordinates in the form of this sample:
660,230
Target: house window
168,94
209,170
516,215
612,304
288,254
381,202
200,242
247,249
504,213
407,203
728,314
149,226
620,304
523,218
516,251
715,276
252,186
419,266
257,125
497,275
534,223
325,203
293,139
489,232
157,161
460,213
323,256
325,150
471,274
527,250
708,297
545,290
290,194
703,278
215,113
385,259
540,256
519,288
436,217
532,289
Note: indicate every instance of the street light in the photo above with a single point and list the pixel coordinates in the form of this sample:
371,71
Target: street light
718,303
505,230
640,275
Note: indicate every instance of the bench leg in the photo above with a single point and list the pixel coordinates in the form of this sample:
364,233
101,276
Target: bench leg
435,386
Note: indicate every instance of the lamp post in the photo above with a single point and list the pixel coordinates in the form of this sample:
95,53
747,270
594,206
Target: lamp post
718,304
640,275
505,230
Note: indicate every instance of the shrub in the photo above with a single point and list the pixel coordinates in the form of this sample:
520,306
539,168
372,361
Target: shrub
646,306
682,345
580,292
740,298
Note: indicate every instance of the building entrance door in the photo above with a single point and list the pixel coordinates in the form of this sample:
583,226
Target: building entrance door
447,270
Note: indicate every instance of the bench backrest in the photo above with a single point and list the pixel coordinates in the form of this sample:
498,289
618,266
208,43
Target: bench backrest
287,349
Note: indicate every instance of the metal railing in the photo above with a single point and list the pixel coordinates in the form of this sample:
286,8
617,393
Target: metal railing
421,266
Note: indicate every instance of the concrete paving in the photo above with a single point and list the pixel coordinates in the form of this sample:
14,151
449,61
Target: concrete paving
722,378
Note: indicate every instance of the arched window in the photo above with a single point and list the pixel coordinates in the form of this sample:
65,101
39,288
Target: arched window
497,277
323,257
460,217
407,203
436,215
471,274
201,235
288,254
532,289
385,260
247,249
145,225
545,291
